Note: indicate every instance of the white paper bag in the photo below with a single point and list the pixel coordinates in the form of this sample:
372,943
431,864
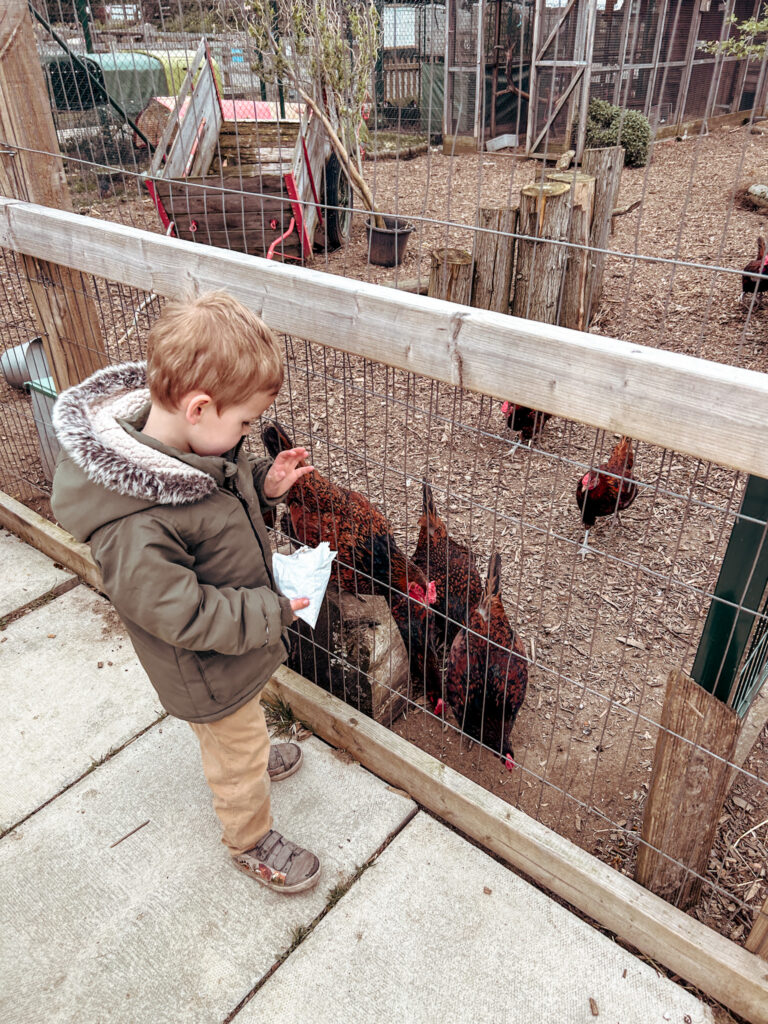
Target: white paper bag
305,573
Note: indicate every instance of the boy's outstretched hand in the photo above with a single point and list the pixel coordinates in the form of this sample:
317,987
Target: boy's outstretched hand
285,471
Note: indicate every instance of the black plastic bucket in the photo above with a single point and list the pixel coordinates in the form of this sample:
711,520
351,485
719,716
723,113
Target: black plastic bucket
386,246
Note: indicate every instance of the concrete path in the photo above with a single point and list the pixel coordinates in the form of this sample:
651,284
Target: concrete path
118,904
26,573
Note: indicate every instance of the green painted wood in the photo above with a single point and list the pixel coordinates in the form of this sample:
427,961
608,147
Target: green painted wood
738,596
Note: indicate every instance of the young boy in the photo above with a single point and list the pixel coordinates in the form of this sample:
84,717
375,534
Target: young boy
154,477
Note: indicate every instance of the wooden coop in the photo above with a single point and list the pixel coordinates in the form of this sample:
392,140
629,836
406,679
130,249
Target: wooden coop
244,174
521,75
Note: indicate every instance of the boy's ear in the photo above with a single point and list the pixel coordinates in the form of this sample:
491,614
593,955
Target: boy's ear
194,405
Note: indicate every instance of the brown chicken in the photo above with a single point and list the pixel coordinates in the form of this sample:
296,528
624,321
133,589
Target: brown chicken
608,489
452,568
528,421
750,283
487,673
369,559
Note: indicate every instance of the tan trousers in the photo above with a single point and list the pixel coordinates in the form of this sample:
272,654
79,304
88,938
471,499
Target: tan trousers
235,753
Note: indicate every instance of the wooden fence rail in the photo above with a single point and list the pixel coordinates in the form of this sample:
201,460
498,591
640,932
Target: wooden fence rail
709,410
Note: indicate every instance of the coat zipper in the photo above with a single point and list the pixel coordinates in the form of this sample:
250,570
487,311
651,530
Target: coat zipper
236,493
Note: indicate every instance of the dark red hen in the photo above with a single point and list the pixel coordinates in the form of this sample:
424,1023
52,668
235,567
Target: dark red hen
452,568
368,560
608,489
528,421
487,673
750,282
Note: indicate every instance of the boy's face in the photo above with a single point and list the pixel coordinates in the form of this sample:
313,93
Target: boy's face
214,432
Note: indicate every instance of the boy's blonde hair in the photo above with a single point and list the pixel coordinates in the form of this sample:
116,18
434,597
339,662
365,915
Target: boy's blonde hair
211,344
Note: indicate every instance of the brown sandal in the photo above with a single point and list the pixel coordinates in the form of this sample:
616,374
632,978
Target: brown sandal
279,864
284,760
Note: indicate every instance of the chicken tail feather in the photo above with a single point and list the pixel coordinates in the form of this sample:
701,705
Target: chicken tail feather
276,438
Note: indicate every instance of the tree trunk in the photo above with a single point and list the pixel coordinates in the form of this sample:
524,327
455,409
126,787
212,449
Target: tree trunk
61,298
494,256
689,783
544,214
451,276
606,165
574,302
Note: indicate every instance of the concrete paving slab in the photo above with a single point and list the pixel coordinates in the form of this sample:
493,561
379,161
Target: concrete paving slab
61,712
436,930
161,928
27,573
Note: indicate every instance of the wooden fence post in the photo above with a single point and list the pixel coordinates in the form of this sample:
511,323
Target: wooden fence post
450,276
494,256
757,940
544,214
573,307
689,783
606,166
31,169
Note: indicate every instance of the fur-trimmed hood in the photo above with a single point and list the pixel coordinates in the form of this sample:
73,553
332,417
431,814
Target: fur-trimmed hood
107,470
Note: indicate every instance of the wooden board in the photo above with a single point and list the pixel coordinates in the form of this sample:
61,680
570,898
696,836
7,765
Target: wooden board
696,740
694,406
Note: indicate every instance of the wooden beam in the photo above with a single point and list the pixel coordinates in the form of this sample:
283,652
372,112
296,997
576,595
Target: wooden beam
711,962
757,940
31,168
696,407
696,741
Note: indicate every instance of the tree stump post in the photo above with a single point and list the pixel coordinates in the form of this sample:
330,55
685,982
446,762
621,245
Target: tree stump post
451,275
356,653
68,322
757,940
494,252
697,737
544,214
606,166
574,310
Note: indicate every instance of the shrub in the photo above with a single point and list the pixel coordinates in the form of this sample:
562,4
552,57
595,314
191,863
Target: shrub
613,126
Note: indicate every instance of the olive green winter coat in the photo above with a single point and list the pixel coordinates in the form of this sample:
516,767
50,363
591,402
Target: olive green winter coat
181,544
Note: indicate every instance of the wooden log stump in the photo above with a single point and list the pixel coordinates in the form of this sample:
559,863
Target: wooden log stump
540,269
450,276
574,311
689,783
757,940
356,653
606,166
494,252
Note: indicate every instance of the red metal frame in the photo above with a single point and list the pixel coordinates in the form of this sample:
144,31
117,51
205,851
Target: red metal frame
164,218
293,195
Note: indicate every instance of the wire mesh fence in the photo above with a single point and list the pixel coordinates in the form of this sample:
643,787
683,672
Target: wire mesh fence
596,636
